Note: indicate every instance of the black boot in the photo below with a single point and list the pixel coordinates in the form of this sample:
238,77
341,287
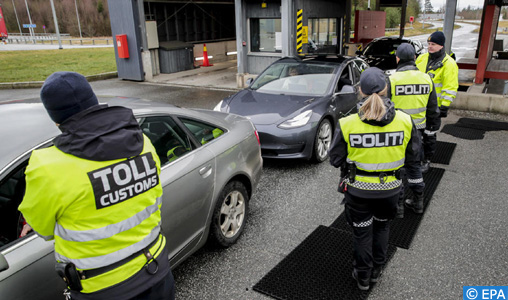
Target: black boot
363,284
376,273
416,203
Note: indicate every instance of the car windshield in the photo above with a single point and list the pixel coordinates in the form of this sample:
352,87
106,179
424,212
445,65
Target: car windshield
380,48
295,79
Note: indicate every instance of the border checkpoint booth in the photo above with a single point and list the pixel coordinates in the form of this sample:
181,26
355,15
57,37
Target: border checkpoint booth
255,33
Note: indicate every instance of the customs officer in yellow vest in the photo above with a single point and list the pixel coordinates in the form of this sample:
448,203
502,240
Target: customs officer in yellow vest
97,194
370,148
442,69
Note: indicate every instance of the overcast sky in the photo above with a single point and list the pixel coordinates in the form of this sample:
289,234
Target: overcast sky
460,3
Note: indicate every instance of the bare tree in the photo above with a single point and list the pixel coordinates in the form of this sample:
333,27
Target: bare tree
94,16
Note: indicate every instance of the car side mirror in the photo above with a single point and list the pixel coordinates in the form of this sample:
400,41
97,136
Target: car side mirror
347,89
4,265
249,81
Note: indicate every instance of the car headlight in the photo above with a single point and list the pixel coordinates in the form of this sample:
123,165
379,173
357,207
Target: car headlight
297,121
218,106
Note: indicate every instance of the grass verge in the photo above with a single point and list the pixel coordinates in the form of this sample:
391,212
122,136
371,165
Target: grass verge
20,66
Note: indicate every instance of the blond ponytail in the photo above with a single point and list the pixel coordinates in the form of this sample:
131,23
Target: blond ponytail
374,107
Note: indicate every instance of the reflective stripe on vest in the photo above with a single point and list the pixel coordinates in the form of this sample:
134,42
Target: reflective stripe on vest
377,166
376,149
450,92
109,230
410,93
107,259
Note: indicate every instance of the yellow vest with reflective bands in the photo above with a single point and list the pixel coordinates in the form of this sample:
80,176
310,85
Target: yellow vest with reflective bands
376,149
98,212
410,93
446,78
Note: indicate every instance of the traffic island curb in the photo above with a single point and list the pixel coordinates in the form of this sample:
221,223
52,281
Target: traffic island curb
38,84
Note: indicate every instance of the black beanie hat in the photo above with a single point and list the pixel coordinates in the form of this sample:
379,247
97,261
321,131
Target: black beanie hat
437,37
405,52
372,80
64,94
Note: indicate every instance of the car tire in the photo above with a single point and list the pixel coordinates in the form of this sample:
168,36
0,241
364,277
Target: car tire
230,215
322,141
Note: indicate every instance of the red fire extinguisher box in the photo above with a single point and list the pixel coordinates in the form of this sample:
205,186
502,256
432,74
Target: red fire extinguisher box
121,45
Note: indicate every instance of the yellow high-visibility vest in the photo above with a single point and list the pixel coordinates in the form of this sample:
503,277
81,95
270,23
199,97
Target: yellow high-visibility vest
376,149
445,78
410,93
98,212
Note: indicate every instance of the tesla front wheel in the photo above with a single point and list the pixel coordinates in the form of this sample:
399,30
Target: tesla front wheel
229,215
322,141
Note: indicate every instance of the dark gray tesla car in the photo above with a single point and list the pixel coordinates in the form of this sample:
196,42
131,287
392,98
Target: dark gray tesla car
295,104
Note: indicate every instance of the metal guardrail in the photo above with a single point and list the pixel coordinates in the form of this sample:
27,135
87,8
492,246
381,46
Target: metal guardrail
37,36
46,39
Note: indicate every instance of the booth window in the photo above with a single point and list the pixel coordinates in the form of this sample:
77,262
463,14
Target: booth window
265,35
323,34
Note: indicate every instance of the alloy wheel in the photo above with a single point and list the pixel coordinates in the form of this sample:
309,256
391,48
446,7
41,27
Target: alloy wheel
232,214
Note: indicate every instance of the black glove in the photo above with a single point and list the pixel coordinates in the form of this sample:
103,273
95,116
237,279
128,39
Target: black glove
443,111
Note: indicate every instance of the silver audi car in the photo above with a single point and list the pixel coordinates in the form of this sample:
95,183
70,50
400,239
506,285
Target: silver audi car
210,166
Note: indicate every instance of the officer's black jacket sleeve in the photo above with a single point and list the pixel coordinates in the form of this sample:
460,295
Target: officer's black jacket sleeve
433,119
389,88
412,162
338,149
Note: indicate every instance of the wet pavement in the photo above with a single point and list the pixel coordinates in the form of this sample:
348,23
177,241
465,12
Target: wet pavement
461,240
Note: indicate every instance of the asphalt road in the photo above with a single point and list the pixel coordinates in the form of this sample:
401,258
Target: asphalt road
461,241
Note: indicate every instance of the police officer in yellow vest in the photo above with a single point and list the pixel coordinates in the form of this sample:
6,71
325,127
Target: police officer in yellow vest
413,92
97,194
442,69
370,148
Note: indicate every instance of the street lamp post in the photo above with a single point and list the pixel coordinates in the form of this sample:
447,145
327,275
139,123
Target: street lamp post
30,19
56,25
77,14
19,26
423,22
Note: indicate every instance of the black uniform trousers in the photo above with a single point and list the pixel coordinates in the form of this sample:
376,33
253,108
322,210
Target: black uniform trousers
428,145
370,219
163,290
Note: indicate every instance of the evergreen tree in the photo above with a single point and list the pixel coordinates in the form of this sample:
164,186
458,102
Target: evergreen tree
428,7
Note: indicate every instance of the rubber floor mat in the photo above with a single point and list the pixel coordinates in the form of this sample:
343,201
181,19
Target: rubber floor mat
444,153
463,132
479,124
402,231
319,268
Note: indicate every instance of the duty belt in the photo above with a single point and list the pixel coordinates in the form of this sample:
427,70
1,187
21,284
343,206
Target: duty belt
381,175
85,274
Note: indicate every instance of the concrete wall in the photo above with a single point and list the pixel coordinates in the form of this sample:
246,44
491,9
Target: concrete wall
481,102
216,49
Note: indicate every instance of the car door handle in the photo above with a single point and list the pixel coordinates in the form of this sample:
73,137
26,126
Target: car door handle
205,171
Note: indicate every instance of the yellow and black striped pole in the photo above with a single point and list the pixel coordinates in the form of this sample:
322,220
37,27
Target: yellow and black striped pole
299,31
